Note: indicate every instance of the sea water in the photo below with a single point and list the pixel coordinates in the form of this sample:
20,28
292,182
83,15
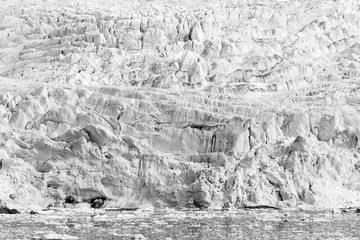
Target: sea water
184,224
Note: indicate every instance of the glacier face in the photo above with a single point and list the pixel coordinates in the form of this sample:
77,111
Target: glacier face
205,104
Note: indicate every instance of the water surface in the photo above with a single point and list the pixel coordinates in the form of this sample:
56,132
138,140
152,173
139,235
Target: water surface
206,225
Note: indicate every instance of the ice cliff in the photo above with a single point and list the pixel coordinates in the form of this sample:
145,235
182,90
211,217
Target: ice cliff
180,103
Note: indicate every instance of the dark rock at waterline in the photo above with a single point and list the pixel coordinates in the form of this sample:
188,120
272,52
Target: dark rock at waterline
357,210
33,212
97,202
200,205
6,210
121,209
70,200
261,207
